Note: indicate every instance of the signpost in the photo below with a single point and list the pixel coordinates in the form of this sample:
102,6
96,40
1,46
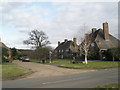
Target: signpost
50,54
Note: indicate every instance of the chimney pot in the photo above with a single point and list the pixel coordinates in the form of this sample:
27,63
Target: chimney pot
65,40
58,43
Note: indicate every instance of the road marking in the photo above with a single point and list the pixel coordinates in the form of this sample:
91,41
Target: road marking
64,80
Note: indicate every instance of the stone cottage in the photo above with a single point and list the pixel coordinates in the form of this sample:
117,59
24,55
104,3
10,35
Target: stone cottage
101,41
67,49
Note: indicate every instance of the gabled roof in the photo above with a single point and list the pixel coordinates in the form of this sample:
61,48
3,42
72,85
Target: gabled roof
63,45
93,35
67,45
98,37
3,45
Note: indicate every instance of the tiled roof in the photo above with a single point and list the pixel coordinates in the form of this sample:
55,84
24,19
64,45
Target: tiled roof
63,45
105,44
67,45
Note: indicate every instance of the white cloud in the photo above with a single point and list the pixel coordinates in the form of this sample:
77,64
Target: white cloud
62,21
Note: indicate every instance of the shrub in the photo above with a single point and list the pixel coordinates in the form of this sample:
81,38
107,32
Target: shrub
4,54
42,53
113,53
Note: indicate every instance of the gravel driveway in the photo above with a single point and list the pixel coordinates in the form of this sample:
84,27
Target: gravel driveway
42,70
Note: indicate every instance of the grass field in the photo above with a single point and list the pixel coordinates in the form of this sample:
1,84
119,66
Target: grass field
93,65
13,72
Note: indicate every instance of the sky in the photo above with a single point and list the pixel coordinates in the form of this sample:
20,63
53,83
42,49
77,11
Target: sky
59,20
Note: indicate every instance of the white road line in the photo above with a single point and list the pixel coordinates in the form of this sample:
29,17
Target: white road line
63,80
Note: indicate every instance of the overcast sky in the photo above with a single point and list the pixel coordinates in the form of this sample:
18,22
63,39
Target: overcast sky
59,20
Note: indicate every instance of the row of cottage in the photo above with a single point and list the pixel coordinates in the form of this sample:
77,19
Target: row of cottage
101,41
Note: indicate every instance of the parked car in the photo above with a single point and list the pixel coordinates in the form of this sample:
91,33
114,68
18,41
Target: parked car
25,59
10,61
20,58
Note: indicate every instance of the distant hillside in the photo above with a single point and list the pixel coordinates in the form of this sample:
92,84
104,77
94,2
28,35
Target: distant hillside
25,52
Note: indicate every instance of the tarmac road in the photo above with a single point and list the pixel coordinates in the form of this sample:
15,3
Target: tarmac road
82,80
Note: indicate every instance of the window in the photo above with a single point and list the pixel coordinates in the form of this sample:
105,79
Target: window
59,51
67,50
61,56
92,44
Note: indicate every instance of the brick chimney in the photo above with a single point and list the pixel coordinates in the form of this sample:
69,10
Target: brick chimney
105,31
65,40
75,41
58,43
93,30
87,38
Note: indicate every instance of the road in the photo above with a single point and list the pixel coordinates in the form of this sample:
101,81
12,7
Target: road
82,80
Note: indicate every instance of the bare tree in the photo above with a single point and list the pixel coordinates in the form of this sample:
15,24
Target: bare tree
85,46
37,38
84,41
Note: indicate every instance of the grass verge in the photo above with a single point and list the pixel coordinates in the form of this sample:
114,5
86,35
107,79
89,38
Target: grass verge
7,63
93,65
14,72
111,85
56,61
35,60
